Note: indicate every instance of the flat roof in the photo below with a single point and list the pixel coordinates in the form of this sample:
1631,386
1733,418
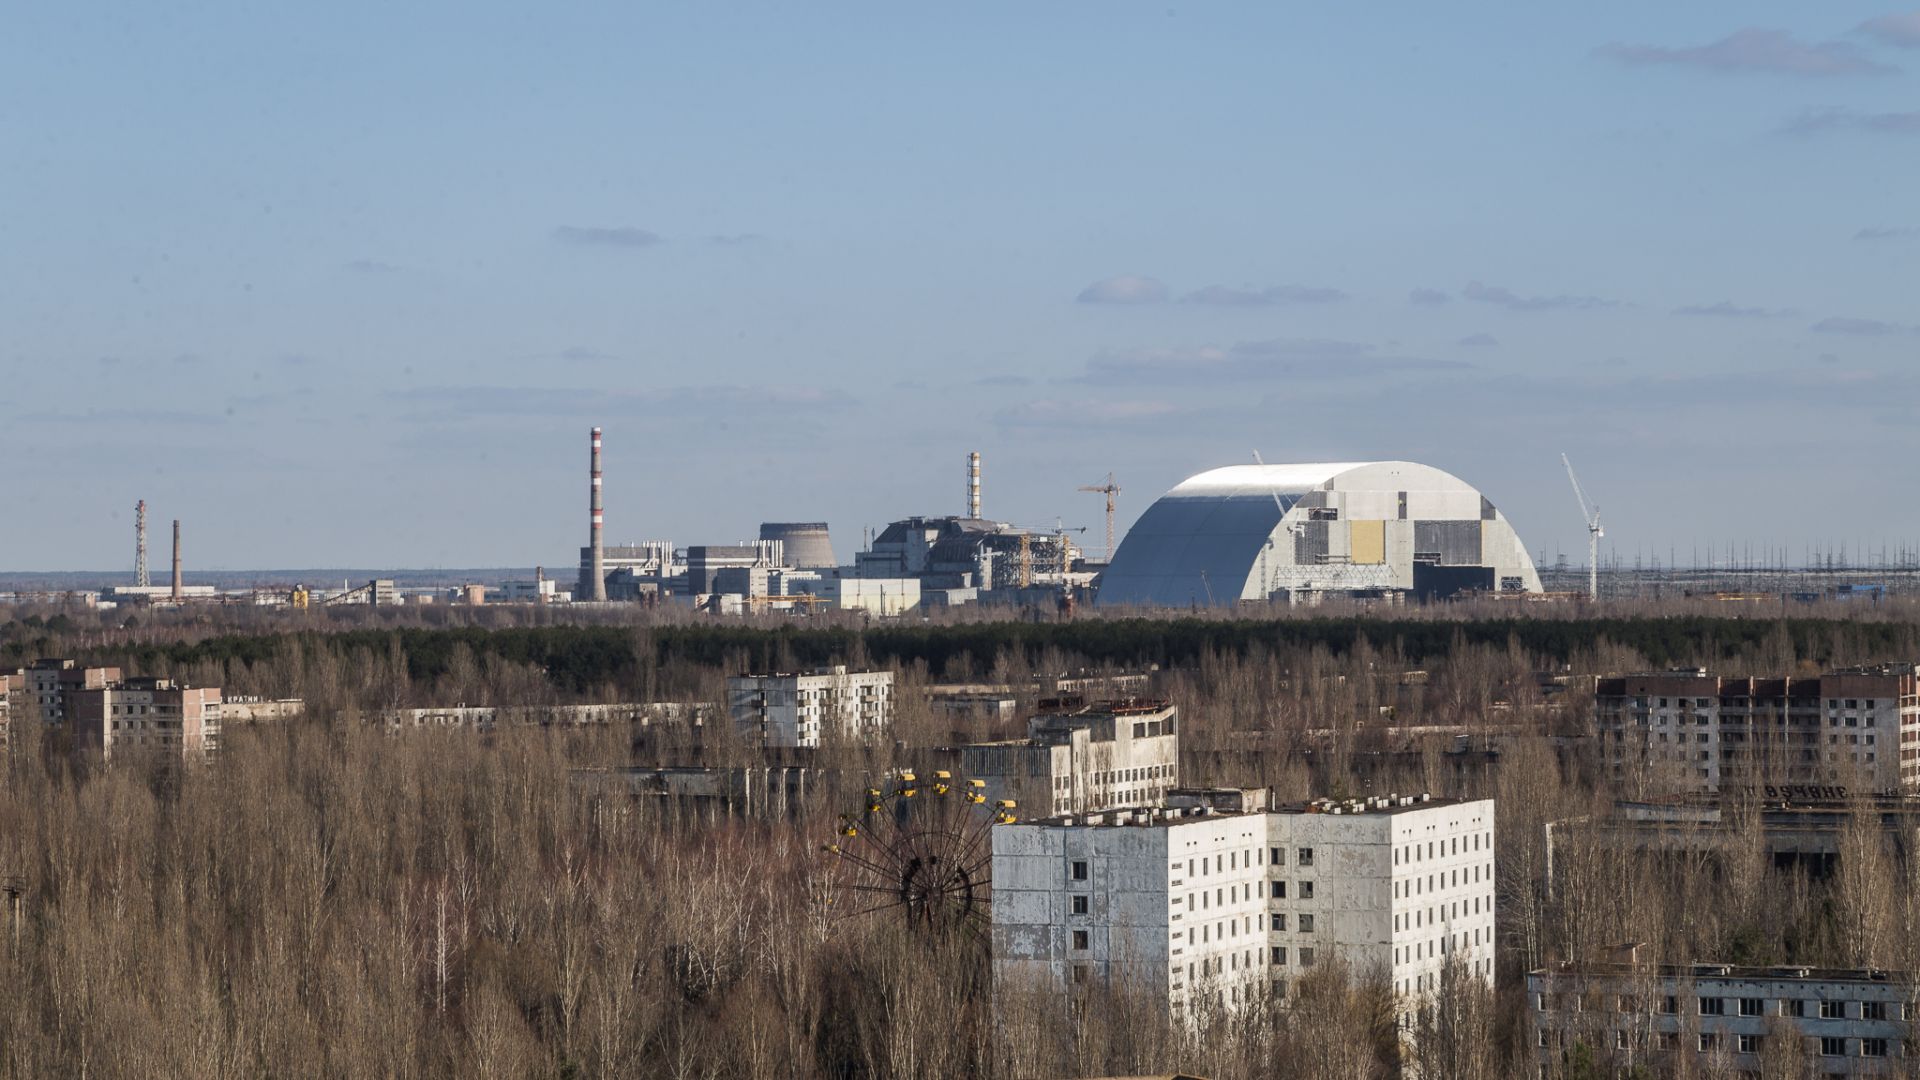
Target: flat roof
1788,972
1125,817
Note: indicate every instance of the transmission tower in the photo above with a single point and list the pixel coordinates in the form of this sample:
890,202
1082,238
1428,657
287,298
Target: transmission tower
140,544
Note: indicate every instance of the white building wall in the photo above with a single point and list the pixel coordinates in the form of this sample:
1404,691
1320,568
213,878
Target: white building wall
1846,1023
792,710
1246,899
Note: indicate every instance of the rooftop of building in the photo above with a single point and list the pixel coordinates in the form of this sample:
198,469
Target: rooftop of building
1185,804
1751,973
1072,706
1888,668
830,669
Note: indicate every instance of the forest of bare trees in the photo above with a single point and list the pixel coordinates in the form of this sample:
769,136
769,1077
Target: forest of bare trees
331,899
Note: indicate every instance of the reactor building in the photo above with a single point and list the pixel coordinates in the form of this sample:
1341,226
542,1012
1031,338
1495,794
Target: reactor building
1296,532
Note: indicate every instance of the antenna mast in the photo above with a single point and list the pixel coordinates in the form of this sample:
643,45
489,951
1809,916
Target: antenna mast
140,544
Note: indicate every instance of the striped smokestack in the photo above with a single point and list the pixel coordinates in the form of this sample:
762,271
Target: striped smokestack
973,484
176,560
599,583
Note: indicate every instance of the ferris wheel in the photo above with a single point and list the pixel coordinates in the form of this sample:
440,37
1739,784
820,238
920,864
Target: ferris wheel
920,851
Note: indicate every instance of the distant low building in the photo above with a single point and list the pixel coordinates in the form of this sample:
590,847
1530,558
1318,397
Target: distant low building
253,710
762,792
877,596
1625,1017
489,717
791,709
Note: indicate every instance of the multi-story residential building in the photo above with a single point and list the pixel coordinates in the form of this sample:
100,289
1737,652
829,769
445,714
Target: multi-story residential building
1083,757
49,681
1626,1015
1855,731
785,710
1217,897
146,713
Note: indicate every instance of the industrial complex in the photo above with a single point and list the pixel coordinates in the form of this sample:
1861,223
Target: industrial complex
1383,532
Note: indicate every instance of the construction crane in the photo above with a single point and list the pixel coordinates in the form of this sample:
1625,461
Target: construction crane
1590,515
1109,489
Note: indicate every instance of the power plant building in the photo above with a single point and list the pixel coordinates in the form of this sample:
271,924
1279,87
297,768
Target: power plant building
805,543
1287,532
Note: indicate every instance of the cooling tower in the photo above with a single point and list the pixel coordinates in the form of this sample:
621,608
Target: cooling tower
806,543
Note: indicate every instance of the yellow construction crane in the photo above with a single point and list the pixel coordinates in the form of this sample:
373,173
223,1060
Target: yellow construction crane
1109,489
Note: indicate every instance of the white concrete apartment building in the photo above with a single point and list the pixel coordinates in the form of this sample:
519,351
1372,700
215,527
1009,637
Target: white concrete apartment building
1628,1015
1217,895
1092,757
786,710
1691,731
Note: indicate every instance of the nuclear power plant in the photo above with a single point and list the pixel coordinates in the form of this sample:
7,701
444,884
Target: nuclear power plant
805,543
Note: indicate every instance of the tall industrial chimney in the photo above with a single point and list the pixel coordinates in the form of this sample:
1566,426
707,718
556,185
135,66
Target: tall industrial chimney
140,544
973,484
599,559
176,560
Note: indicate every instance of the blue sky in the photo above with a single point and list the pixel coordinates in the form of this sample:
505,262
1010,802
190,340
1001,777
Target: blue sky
344,285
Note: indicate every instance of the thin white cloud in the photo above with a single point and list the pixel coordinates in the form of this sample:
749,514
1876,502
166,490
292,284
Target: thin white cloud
1756,49
1902,31
1501,296
1820,121
1271,296
616,236
1299,358
1052,414
1863,327
1727,310
1480,341
1127,289
1428,296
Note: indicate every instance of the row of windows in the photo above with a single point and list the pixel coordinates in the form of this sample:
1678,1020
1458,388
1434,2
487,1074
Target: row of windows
1444,944
1798,703
1824,1008
1416,918
1226,861
1410,853
1128,776
1711,1041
